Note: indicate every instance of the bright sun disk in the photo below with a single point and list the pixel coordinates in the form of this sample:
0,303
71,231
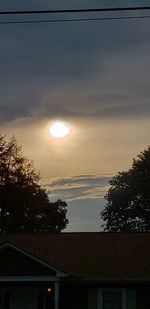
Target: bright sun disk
59,130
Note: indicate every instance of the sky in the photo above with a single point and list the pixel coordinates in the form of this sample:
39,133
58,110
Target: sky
94,76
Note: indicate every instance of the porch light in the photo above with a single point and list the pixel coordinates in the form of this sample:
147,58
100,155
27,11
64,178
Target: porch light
49,290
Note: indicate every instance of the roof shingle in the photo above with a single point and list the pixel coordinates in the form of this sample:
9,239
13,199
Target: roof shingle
96,255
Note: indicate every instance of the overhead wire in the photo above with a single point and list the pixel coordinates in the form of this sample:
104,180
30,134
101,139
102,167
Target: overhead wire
73,20
84,10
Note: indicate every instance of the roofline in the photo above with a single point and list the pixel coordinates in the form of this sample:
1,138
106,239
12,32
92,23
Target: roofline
134,280
29,279
99,280
59,273
62,233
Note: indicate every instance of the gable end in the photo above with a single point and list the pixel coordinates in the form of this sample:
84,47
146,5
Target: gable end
16,262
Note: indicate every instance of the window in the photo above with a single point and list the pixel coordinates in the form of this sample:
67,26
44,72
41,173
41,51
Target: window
4,299
112,299
40,299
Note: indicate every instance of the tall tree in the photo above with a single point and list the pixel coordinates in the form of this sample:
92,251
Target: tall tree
128,198
24,204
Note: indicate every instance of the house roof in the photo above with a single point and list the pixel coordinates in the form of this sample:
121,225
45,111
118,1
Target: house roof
91,255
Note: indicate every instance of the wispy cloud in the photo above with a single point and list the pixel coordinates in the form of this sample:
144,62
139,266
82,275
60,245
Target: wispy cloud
78,187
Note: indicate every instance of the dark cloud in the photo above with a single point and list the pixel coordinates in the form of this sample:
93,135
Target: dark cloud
78,187
77,69
86,70
84,201
80,179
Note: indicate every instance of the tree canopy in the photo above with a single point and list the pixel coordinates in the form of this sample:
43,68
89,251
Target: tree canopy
24,204
128,198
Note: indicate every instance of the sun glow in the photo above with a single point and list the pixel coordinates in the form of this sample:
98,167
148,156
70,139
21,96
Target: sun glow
59,129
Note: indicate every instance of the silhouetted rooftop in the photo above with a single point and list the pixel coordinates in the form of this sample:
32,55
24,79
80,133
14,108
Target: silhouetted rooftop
92,255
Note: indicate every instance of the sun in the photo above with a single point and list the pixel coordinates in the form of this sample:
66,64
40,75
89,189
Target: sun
59,129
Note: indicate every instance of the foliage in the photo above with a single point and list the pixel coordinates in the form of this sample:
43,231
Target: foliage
128,199
24,204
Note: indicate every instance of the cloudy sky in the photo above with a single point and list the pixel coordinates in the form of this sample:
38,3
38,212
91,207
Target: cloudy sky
95,77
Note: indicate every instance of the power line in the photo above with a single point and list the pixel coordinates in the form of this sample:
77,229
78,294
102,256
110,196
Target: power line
73,20
90,10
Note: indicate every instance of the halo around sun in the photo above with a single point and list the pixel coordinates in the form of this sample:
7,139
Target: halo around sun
59,129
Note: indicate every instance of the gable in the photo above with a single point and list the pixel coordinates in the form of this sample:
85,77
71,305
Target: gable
13,262
98,256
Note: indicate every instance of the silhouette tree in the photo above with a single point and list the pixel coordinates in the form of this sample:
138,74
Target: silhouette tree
24,204
128,199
